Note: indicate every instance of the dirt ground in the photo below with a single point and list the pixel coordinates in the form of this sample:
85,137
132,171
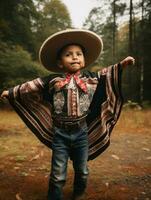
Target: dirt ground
122,172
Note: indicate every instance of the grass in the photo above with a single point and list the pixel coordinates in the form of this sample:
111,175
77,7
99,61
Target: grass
134,121
129,119
15,137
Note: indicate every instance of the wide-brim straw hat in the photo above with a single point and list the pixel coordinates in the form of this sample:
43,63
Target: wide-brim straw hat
90,41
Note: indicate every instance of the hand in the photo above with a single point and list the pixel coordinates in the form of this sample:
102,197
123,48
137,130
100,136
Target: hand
4,94
127,61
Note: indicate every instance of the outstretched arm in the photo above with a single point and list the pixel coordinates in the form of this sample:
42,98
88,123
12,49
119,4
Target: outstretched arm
124,63
26,90
4,94
127,61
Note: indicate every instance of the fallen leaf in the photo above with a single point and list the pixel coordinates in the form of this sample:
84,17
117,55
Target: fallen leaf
148,158
146,149
42,153
143,192
18,197
16,167
35,157
123,188
115,157
107,184
24,174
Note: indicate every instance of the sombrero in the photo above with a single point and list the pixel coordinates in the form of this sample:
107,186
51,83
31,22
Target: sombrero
50,48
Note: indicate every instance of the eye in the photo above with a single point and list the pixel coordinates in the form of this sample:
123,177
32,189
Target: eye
67,54
79,54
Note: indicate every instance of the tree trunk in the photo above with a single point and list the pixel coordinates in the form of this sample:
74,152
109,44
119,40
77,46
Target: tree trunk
131,27
114,30
130,48
142,60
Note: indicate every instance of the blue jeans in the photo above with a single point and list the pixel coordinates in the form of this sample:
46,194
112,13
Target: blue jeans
68,144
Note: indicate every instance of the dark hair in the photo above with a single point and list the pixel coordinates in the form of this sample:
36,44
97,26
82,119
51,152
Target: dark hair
62,49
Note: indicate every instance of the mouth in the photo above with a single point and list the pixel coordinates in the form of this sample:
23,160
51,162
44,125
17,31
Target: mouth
75,63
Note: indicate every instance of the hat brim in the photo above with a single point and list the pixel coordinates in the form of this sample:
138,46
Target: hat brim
50,48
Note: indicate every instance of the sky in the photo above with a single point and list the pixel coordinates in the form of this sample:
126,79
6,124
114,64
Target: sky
79,10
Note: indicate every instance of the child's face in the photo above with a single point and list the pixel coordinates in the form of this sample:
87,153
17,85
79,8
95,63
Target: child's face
72,59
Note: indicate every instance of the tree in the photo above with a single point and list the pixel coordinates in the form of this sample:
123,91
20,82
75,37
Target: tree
103,21
141,57
17,19
55,17
145,35
131,38
142,44
16,66
117,9
131,27
29,22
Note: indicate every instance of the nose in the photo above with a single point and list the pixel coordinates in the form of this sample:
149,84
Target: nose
74,56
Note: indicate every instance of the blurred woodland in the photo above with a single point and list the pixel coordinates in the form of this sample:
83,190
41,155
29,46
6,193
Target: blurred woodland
125,27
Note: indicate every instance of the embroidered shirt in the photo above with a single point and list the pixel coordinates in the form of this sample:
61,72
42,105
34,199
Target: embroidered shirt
70,101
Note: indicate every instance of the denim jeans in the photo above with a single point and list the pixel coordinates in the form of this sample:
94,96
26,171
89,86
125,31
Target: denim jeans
68,143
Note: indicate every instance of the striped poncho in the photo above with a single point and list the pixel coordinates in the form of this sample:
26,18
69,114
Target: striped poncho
28,101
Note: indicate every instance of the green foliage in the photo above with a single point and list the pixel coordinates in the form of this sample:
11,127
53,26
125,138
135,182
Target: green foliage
16,66
24,24
28,22
116,38
143,46
17,22
101,21
54,17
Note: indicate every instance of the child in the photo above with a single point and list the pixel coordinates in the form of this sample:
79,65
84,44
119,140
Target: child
72,112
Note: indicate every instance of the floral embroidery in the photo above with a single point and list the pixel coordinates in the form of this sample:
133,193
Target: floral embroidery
84,102
59,101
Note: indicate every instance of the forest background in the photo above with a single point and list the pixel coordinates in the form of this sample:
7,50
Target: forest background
125,27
